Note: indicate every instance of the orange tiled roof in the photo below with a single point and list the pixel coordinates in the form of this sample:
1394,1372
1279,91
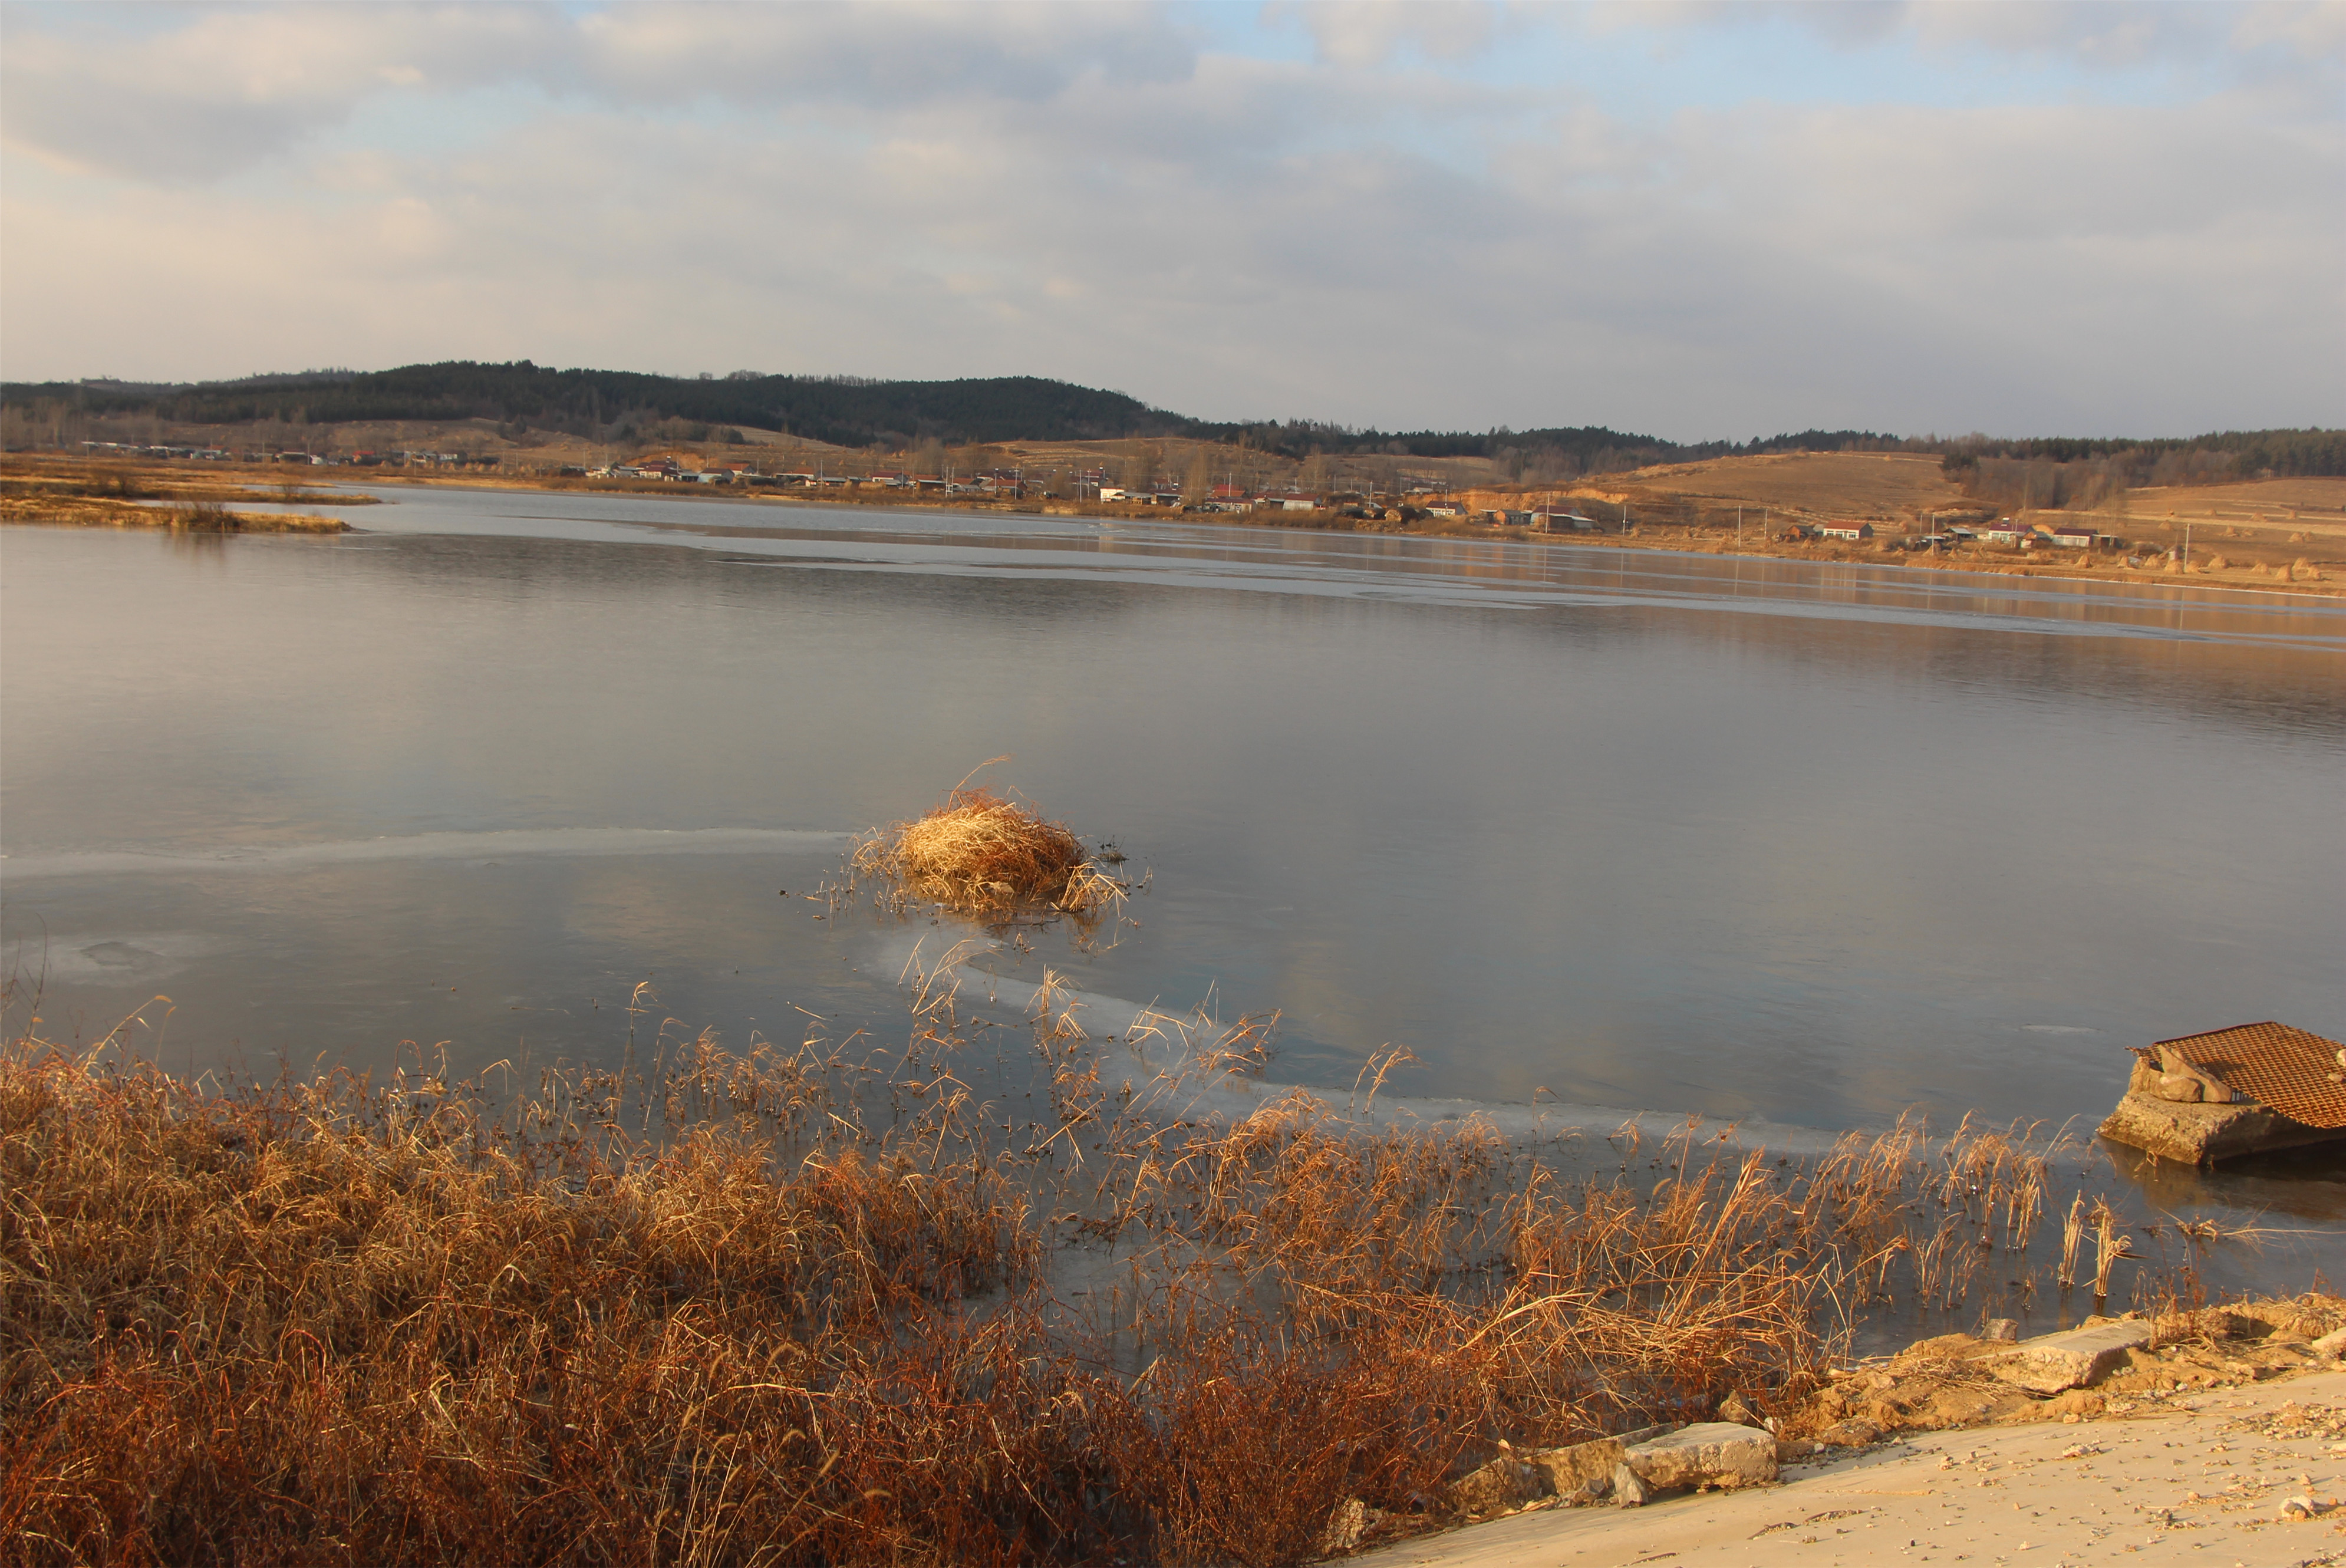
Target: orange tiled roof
2294,1071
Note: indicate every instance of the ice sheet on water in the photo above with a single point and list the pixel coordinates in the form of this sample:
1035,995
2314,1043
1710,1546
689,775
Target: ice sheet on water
494,844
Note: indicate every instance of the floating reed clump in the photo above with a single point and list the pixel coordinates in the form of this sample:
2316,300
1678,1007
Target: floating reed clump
982,853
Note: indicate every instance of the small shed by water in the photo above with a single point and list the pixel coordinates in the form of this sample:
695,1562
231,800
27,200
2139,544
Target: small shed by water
2249,1089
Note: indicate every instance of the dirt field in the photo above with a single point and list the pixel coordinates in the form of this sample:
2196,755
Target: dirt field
1805,486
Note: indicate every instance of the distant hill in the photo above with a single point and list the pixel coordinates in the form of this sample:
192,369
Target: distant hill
844,410
851,411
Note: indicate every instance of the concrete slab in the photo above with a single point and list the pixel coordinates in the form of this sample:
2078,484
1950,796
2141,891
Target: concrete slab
2054,1363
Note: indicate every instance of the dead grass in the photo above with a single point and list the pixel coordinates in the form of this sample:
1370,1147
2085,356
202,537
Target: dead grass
982,853
195,517
824,1305
26,478
941,1303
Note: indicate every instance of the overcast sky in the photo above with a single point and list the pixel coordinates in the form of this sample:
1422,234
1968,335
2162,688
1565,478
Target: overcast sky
1695,221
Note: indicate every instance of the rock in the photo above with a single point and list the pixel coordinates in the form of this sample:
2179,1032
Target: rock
2330,1346
1575,1471
2297,1509
1344,1527
1503,1483
1628,1489
1790,1449
2051,1363
1854,1432
2001,1330
1646,1434
1733,1409
1708,1453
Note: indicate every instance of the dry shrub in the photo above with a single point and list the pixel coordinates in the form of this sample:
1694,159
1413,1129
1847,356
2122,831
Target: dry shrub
983,853
818,1306
261,1327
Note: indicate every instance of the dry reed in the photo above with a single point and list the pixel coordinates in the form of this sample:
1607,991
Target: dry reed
981,853
828,1304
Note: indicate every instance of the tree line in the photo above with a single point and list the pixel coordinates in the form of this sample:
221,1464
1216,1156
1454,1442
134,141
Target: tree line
2053,472
617,406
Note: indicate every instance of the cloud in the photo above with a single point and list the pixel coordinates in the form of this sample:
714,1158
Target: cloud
227,89
1369,32
1098,195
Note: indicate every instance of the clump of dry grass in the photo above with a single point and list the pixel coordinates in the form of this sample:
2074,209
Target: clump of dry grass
982,853
828,1305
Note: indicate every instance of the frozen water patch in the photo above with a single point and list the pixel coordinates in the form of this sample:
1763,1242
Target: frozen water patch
1164,1050
495,845
106,959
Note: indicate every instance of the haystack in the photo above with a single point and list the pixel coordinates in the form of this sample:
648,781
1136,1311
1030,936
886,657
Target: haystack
979,851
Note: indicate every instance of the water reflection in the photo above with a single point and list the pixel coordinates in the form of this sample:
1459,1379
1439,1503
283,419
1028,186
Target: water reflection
1747,838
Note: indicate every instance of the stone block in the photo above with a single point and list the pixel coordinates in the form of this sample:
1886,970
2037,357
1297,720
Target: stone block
1708,1453
1345,1527
1577,1468
2051,1363
1503,1483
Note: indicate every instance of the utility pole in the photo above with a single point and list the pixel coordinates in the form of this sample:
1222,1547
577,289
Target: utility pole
1739,527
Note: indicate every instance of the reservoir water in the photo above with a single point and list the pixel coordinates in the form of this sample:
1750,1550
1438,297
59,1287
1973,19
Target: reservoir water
1812,844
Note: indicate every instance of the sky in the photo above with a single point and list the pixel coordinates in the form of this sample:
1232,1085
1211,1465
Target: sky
1686,219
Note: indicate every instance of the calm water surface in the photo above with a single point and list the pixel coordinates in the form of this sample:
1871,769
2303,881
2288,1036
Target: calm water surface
1811,844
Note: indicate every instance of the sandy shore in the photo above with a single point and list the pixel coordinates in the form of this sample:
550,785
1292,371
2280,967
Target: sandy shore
2197,1480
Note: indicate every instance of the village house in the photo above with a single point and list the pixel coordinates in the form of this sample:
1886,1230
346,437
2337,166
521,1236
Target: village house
1845,530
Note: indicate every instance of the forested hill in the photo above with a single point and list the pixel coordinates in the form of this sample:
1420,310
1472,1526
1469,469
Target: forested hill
845,410
849,411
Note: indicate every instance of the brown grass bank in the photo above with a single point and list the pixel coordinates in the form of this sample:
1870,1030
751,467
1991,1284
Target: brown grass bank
202,518
326,1321
815,1305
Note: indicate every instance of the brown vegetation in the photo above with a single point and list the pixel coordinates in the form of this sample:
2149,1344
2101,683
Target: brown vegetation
201,517
979,853
143,495
817,1305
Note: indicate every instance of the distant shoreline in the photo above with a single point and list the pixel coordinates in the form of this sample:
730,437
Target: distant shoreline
1664,539
243,482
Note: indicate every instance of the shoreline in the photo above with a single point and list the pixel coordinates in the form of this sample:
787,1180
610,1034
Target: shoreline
1811,553
2090,1489
1673,539
446,1274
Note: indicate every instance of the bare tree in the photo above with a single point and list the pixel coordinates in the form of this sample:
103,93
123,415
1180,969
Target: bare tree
1200,483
